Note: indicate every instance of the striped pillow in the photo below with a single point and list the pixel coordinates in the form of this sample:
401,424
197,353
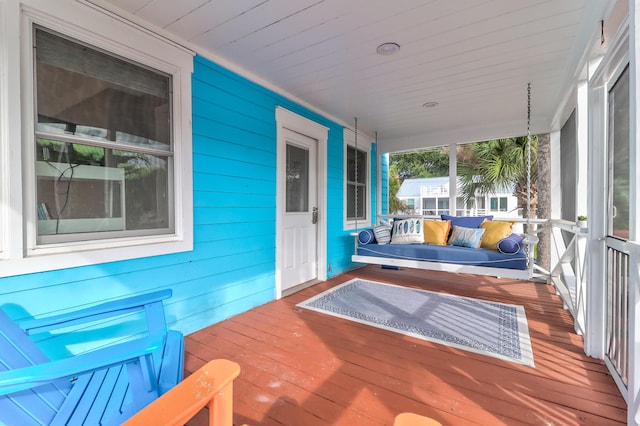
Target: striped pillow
382,233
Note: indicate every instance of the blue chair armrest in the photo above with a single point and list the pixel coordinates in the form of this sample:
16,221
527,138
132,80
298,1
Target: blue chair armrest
93,313
29,377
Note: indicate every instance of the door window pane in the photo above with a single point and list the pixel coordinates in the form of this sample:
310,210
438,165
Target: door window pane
297,185
619,157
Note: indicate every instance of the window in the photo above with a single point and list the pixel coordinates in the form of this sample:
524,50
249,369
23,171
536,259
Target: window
429,206
104,151
101,148
358,182
435,206
443,206
498,204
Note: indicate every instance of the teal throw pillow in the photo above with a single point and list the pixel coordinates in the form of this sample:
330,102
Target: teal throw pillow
466,237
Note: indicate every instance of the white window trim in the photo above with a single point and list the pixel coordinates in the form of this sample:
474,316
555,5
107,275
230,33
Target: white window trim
116,36
364,144
4,137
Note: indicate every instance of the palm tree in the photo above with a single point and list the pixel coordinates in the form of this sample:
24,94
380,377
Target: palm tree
485,167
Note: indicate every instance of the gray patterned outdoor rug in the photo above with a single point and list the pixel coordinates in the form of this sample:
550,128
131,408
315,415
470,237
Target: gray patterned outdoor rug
489,328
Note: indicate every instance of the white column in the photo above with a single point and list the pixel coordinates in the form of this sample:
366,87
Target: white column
453,179
597,212
556,185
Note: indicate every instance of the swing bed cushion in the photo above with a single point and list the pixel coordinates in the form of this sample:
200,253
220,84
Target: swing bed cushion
446,254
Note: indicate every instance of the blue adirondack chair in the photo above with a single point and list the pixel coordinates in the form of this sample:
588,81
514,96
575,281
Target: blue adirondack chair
104,386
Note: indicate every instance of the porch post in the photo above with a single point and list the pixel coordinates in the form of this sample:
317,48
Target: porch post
453,179
596,295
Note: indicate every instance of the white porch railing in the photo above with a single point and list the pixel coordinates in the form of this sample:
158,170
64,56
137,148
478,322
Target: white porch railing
567,274
569,245
622,328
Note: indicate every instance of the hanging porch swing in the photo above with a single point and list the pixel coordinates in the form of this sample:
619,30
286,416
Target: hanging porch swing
518,264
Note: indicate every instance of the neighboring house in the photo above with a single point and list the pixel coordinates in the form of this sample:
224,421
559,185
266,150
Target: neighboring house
431,196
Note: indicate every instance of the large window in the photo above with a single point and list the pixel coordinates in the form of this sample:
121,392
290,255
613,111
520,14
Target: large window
99,136
435,206
103,140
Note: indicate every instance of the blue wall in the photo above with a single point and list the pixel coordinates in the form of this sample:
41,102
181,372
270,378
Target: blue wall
232,266
384,184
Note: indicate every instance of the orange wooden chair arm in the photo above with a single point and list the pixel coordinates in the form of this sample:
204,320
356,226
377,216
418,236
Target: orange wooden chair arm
412,419
211,385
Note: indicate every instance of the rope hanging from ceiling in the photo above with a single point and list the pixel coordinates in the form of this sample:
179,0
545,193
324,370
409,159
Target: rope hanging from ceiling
529,236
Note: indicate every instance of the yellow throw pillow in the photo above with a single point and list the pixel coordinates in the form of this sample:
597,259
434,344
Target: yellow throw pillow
436,231
495,231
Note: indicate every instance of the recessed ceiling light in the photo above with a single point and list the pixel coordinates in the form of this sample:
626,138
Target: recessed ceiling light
430,104
386,49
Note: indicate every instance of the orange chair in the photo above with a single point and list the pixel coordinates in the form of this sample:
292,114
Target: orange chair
411,419
211,385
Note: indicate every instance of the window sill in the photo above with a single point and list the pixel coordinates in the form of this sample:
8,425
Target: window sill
69,255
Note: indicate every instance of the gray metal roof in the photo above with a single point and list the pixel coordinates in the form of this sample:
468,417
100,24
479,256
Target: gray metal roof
411,187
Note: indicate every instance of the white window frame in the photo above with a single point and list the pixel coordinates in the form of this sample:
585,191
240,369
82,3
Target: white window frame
4,137
364,144
118,37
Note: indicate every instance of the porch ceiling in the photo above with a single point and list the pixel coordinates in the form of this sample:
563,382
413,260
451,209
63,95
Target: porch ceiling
473,57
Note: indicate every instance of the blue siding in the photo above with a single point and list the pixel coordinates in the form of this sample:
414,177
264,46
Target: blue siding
374,180
232,266
384,184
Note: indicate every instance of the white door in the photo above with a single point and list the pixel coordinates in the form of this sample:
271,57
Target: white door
618,221
299,231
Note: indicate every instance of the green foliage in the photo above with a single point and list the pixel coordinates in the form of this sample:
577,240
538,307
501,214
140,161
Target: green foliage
432,162
395,205
485,167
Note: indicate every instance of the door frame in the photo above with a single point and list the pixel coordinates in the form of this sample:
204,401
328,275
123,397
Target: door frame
286,119
600,81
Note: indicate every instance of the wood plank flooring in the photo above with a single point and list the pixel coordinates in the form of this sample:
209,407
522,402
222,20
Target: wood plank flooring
299,367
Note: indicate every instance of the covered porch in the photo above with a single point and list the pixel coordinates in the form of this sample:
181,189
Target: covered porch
303,367
243,83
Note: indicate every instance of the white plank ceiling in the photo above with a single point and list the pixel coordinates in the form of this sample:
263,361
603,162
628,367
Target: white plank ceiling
473,57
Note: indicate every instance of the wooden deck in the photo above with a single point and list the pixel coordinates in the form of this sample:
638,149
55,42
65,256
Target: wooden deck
300,367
